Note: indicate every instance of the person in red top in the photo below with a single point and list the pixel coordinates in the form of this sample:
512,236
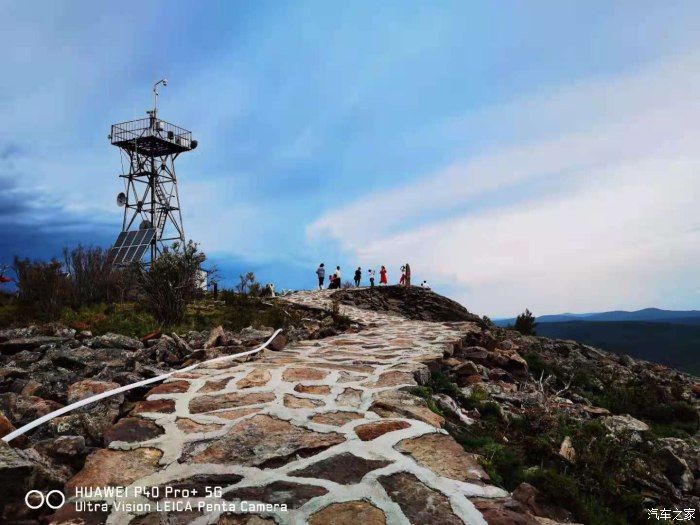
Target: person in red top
382,276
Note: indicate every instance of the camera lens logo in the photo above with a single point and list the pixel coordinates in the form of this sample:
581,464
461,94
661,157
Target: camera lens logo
35,499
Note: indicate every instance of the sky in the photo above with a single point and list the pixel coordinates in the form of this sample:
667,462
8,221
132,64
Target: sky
517,154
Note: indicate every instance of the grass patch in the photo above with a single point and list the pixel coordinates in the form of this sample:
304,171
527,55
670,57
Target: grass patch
660,405
234,312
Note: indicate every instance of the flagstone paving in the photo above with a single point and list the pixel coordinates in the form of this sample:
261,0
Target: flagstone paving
321,426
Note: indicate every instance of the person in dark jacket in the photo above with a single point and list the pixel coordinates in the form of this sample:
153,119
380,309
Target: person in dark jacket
358,276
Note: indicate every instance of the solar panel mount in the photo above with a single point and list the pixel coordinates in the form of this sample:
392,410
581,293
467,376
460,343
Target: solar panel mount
131,245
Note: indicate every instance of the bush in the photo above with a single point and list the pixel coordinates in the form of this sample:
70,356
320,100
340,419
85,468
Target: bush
525,323
171,282
248,284
93,278
42,287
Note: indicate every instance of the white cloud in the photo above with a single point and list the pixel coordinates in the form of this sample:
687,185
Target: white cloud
613,222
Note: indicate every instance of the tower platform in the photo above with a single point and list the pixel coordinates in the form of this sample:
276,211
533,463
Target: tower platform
151,137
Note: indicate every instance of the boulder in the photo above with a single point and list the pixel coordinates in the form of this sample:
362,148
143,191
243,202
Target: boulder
111,340
617,424
89,387
373,430
419,503
476,354
696,389
69,446
250,335
676,469
155,334
263,441
504,511
17,474
12,346
132,429
167,350
6,425
450,407
348,513
215,336
114,468
467,368
344,468
566,450
21,410
391,404
444,456
278,343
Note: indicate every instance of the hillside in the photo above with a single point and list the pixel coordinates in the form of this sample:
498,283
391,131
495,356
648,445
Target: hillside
369,405
674,345
416,303
646,314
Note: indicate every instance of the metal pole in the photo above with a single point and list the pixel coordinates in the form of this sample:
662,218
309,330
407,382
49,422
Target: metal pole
153,208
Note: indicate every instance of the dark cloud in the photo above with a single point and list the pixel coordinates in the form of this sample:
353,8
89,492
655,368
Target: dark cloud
33,225
9,150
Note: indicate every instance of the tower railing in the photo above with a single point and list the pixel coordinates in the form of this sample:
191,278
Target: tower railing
148,127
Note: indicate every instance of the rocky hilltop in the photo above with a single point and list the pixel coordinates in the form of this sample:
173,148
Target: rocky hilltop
379,406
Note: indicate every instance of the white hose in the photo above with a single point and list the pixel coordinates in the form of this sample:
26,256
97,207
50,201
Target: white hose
48,417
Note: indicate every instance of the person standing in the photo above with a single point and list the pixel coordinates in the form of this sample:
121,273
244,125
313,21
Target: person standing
407,272
321,273
358,276
403,275
370,272
382,276
336,277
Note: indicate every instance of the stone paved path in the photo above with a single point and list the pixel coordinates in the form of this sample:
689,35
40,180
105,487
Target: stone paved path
321,426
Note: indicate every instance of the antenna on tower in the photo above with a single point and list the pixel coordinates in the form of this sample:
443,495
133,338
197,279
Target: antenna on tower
152,215
163,81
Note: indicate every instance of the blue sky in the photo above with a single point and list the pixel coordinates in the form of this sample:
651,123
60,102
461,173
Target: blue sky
540,154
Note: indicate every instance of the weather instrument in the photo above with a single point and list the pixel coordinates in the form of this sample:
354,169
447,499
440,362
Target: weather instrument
152,215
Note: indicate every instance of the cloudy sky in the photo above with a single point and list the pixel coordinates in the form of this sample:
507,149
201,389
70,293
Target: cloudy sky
517,154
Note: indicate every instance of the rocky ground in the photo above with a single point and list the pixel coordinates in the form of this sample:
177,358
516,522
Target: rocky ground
420,304
395,409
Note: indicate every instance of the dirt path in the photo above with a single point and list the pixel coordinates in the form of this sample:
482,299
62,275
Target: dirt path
321,426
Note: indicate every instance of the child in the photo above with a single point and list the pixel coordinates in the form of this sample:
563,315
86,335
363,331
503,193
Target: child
358,276
371,278
333,282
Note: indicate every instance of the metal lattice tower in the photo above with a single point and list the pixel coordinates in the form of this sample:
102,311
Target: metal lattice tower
152,216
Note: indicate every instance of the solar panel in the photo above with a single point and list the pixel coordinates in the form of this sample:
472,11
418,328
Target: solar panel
130,246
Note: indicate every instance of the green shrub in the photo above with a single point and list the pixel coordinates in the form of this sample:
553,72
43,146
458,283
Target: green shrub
171,282
439,383
92,277
525,323
563,489
502,465
43,289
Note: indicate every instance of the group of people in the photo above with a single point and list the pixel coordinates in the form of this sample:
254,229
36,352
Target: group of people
334,280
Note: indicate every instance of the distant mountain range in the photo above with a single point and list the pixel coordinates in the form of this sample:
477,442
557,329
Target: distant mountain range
647,314
662,336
